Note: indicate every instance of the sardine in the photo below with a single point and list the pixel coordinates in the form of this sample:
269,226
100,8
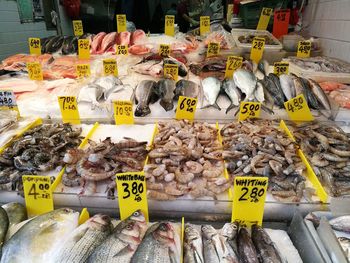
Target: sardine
186,88
246,82
80,244
287,85
145,94
158,246
341,223
229,233
267,250
321,97
121,245
309,95
182,69
297,85
54,44
65,45
211,89
44,42
165,90
4,224
233,93
246,249
38,239
193,246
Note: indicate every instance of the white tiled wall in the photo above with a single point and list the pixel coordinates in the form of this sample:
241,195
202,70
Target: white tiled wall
329,20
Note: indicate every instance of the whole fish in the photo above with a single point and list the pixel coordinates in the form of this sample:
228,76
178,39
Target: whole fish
345,244
165,90
54,44
275,91
4,224
44,42
145,94
259,92
186,88
110,84
70,45
297,85
182,69
246,81
211,89
309,95
246,249
193,246
287,85
263,66
267,250
213,247
321,97
16,213
229,234
152,67
91,93
341,223
158,246
233,93
80,244
38,239
121,245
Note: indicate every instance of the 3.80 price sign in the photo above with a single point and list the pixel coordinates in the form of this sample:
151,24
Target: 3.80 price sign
249,194
132,195
37,194
298,110
249,110
123,113
186,108
280,68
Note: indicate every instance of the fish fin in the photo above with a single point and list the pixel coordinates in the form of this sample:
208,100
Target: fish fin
215,105
230,107
268,110
123,251
167,106
236,112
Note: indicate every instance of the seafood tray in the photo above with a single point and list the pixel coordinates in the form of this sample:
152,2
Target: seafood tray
318,75
237,33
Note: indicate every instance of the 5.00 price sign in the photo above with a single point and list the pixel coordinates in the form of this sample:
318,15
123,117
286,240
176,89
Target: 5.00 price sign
186,108
132,194
249,110
249,194
123,113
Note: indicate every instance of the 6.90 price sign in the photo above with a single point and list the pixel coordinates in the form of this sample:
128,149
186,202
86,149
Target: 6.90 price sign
132,195
249,194
186,108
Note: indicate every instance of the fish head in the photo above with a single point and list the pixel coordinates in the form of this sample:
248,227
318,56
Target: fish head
100,222
132,231
65,214
138,216
167,105
208,231
142,110
191,233
164,234
230,230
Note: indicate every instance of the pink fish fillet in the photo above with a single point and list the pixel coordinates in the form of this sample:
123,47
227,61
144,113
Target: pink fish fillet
138,37
123,38
331,85
108,41
96,42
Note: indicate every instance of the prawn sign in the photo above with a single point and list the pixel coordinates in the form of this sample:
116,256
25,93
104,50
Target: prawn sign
186,108
69,109
37,194
249,194
123,113
132,194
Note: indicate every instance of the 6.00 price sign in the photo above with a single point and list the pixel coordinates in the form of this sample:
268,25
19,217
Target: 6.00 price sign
132,194
186,108
249,194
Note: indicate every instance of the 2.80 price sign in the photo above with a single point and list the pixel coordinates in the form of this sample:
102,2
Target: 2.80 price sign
249,194
123,113
132,193
186,108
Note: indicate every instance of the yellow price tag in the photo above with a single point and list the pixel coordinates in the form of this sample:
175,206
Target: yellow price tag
84,216
257,50
164,50
34,71
121,23
37,194
122,50
110,67
264,18
171,71
213,49
34,46
304,49
83,70
249,194
249,110
232,64
204,25
78,28
69,109
281,68
298,110
123,113
169,28
132,194
229,12
186,108
84,48
8,100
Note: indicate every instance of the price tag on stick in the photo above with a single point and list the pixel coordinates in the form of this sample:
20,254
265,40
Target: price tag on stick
304,49
164,50
186,108
169,25
121,23
171,71
83,71
110,67
204,25
122,50
280,22
232,64
84,48
37,194
78,28
34,71
132,194
8,100
123,113
249,194
298,110
69,109
264,18
249,110
213,49
281,68
34,46
257,50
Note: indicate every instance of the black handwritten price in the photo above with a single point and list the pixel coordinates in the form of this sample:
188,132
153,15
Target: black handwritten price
171,71
7,98
68,102
298,110
186,108
267,11
78,28
164,50
42,187
281,68
83,70
252,109
304,47
251,194
123,110
213,49
35,42
170,20
84,44
295,104
188,103
136,190
122,50
234,63
258,44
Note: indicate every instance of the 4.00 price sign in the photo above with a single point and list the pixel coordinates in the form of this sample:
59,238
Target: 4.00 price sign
132,194
186,108
249,194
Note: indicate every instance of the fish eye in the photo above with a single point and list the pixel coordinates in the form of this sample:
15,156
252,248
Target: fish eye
129,227
136,213
163,227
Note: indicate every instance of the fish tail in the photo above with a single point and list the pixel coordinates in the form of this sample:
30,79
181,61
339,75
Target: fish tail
230,107
215,105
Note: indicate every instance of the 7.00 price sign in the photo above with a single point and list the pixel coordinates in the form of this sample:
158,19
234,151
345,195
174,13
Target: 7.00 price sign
249,194
69,109
132,194
186,108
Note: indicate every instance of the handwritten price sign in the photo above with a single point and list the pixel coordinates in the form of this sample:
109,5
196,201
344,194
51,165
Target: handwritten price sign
186,108
232,64
249,110
34,46
123,113
264,18
34,71
213,49
169,25
304,49
171,71
257,50
121,23
122,50
110,67
164,50
69,109
281,68
204,25
84,48
298,110
78,28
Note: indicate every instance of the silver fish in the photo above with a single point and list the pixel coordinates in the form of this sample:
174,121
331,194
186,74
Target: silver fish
321,97
110,84
144,95
345,244
211,89
121,245
159,245
287,85
80,244
259,92
229,234
246,249
38,239
165,90
234,94
246,82
341,223
213,246
275,90
193,246
4,224
183,71
91,93
186,88
297,85
16,213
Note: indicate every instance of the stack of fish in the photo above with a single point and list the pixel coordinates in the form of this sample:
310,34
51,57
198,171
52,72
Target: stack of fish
40,149
321,64
259,148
